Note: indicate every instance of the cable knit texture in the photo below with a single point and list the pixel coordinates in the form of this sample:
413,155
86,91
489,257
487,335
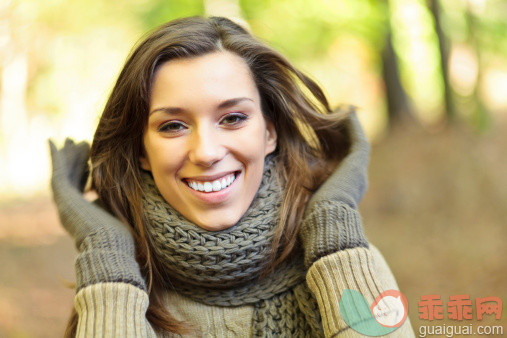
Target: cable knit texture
330,227
224,267
359,269
94,303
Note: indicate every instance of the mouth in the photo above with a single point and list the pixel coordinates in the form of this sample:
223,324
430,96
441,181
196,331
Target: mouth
212,185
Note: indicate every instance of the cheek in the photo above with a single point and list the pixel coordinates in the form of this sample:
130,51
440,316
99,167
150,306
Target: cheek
250,150
251,143
164,155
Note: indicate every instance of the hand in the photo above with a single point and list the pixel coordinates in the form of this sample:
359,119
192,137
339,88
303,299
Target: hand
331,222
349,181
70,173
106,246
70,164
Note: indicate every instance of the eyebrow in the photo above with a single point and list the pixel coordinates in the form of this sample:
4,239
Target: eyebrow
223,105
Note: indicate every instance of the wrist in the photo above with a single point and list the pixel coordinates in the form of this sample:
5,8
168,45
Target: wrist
330,227
107,266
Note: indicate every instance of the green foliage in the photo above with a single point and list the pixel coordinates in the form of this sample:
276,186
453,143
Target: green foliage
94,35
160,11
304,29
489,25
492,35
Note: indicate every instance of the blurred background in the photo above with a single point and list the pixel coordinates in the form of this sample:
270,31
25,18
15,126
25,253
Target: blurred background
430,77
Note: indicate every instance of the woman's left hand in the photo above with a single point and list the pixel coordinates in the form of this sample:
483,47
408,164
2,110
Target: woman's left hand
331,221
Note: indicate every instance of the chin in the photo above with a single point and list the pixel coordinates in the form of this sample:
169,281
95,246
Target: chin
213,224
215,227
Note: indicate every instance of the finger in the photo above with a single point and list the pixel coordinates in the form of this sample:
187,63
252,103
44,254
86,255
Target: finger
360,140
57,161
68,142
84,148
84,152
52,147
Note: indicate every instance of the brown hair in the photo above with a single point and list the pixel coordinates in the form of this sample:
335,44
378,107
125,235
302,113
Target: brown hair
311,139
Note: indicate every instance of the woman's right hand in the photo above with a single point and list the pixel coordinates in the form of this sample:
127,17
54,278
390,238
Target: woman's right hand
70,164
106,246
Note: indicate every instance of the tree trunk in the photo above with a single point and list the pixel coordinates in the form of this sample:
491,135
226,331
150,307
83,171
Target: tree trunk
444,59
397,101
481,117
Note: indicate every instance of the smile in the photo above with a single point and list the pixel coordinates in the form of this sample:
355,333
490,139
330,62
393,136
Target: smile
212,186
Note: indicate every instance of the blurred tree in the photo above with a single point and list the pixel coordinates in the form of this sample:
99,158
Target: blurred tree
416,45
338,42
443,44
474,33
398,107
480,115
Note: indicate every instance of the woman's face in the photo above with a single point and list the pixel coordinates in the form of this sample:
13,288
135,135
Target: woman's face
207,138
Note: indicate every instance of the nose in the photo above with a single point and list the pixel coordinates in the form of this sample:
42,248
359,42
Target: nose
205,148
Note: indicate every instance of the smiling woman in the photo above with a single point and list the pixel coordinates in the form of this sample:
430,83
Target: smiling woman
228,193
206,112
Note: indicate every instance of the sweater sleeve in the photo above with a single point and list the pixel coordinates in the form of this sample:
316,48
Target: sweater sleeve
360,269
112,310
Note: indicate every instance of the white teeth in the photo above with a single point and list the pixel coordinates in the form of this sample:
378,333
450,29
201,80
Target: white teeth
208,186
216,185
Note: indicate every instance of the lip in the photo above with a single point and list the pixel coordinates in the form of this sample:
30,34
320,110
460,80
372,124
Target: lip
213,197
210,177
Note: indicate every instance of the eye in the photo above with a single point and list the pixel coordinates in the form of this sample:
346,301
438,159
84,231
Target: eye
171,127
234,119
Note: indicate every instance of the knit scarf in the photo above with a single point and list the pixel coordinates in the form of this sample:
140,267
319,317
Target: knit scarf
223,268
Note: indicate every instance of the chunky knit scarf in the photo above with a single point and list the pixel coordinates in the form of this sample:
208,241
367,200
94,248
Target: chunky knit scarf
224,268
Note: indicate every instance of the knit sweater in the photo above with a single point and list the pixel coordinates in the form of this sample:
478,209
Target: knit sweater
112,299
118,309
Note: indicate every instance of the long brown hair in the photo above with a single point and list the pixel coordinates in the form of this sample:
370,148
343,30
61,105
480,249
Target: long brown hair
311,139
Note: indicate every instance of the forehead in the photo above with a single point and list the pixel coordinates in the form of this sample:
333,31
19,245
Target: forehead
214,76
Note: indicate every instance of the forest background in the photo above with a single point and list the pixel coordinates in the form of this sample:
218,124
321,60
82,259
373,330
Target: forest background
429,76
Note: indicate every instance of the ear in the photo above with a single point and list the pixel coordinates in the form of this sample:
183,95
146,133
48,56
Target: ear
270,138
144,162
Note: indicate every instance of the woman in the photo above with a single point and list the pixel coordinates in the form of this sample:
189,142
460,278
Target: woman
232,217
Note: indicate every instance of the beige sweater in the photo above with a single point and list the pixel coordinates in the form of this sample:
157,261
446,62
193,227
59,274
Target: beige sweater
118,309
